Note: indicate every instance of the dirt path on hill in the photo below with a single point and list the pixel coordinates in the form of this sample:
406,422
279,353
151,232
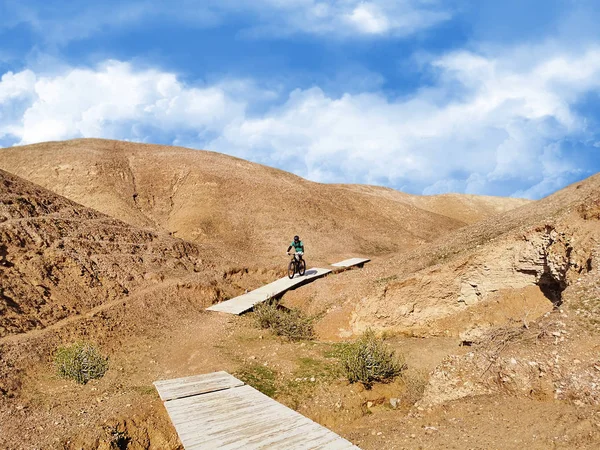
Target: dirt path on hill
36,333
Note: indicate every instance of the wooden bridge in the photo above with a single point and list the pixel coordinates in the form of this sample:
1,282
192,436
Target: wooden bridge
246,302
218,411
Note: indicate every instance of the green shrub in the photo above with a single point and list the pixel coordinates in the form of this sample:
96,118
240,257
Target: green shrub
369,360
291,323
81,362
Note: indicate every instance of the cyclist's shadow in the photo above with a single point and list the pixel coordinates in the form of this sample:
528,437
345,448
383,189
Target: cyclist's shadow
310,272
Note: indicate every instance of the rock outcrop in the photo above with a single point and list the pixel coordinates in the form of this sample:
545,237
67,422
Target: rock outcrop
546,246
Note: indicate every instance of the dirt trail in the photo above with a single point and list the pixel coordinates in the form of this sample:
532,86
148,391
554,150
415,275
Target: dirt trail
55,327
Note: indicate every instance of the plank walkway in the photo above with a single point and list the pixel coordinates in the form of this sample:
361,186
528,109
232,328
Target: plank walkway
217,410
246,302
352,262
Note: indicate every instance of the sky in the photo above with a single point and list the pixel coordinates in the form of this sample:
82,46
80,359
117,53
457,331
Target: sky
426,96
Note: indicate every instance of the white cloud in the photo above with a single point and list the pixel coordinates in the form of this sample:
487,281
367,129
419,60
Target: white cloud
346,18
368,19
487,124
506,126
13,86
105,102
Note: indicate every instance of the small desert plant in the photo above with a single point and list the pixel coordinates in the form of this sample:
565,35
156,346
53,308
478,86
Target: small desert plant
266,315
81,362
415,383
369,360
291,323
295,325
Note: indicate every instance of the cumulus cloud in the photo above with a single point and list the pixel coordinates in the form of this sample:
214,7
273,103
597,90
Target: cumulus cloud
368,19
487,126
109,100
502,134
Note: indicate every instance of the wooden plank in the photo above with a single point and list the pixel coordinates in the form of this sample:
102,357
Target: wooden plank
246,302
351,262
243,418
245,421
198,384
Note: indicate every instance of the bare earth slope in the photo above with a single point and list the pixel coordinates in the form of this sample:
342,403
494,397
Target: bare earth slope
70,273
236,206
58,258
464,207
521,294
546,245
508,267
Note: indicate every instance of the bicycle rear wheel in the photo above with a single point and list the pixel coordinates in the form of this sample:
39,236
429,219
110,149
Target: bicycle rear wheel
291,269
301,267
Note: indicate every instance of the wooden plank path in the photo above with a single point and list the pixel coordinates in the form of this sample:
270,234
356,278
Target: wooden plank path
352,262
218,411
246,302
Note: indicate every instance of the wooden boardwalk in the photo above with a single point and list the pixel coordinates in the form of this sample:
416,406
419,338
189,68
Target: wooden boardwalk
218,411
246,302
352,262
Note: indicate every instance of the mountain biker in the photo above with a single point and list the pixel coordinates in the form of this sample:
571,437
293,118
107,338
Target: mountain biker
298,247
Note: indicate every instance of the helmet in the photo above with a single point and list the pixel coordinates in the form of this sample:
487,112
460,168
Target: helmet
296,238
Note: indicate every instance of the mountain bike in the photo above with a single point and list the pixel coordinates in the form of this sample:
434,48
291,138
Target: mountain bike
297,265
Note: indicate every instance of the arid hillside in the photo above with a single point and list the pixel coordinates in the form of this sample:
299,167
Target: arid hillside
59,259
245,211
513,266
69,273
463,207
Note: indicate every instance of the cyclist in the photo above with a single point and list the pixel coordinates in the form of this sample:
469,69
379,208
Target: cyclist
298,247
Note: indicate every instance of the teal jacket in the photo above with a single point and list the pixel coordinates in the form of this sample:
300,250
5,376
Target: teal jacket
298,246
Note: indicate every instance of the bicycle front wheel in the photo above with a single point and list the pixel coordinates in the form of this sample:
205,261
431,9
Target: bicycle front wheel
301,267
291,269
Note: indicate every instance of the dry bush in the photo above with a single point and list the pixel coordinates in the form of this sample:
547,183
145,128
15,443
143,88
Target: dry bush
81,362
291,323
370,360
415,382
498,339
266,315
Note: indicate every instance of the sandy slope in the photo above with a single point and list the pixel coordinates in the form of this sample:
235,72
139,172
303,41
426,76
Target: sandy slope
67,273
504,268
60,259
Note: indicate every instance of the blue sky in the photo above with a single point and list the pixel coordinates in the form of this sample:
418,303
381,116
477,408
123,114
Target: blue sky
426,96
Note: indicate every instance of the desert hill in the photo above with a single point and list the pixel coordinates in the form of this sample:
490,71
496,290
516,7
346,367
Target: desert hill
512,266
245,211
70,273
60,259
463,207
518,298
